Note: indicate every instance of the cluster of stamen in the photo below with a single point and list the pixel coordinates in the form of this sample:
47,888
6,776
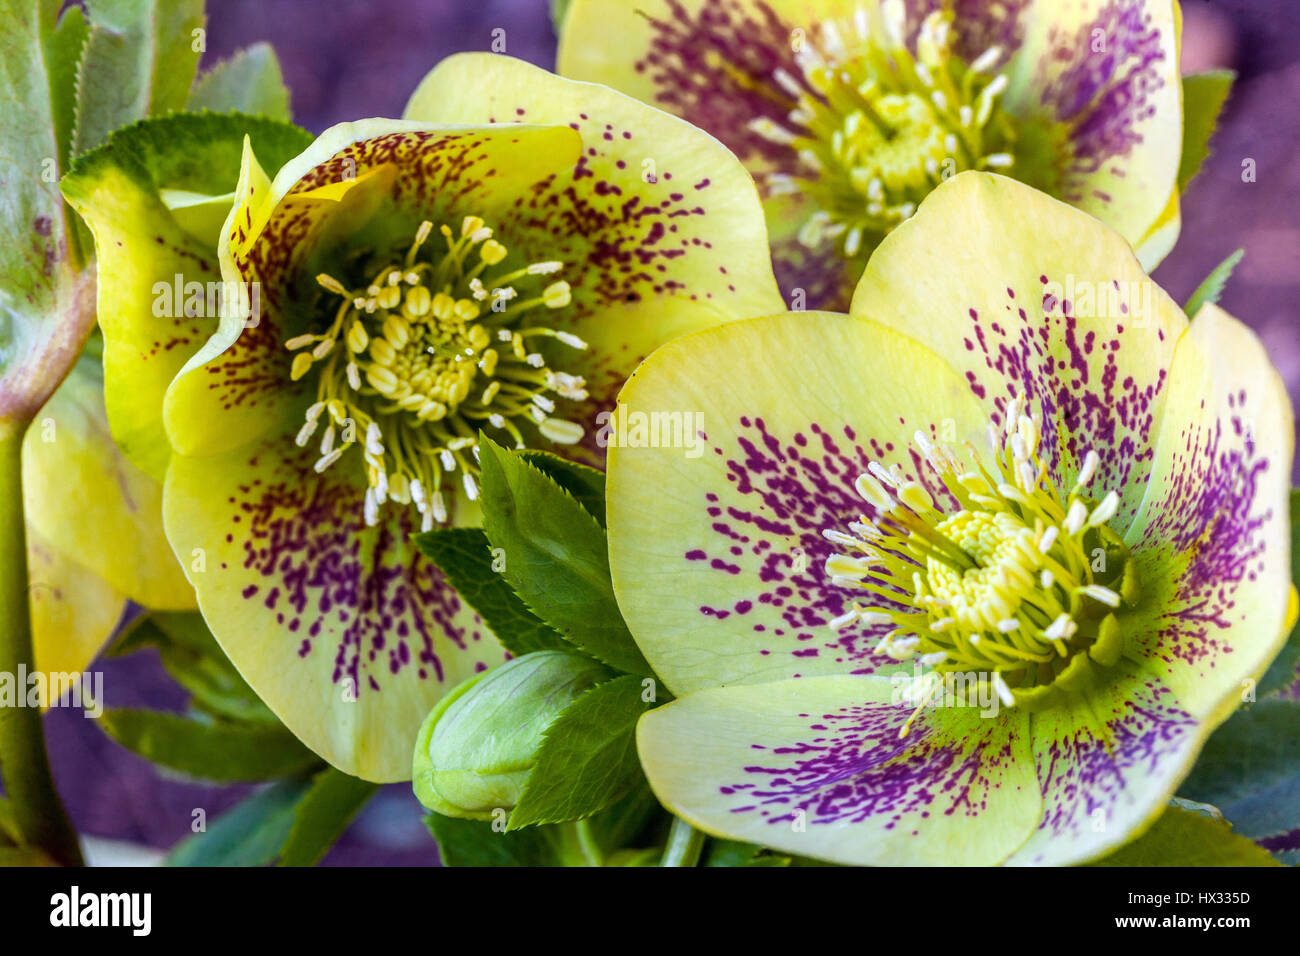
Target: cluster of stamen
428,352
876,127
1018,585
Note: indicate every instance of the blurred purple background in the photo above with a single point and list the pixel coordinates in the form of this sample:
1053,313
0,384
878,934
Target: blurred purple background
347,59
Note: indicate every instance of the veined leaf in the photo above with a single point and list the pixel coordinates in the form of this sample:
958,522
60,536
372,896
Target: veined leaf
556,557
465,557
588,757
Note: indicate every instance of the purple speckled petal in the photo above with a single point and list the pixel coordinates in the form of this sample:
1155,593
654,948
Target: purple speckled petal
660,228
1211,540
346,632
1103,74
716,548
715,63
1029,298
1107,765
824,772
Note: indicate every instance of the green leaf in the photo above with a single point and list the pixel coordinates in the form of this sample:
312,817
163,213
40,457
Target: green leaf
249,834
249,82
465,557
1250,769
1181,838
588,757
734,853
211,751
49,304
476,843
1282,672
63,55
1203,97
323,814
140,61
1210,289
586,484
196,661
556,557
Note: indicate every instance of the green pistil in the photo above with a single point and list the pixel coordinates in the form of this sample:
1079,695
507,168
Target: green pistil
1019,585
883,126
431,350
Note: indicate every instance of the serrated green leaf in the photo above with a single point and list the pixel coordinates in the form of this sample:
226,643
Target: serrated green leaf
476,843
1250,769
249,834
1213,285
223,752
465,557
323,814
556,557
140,61
1282,672
48,302
1180,838
586,484
63,55
249,82
1203,97
588,757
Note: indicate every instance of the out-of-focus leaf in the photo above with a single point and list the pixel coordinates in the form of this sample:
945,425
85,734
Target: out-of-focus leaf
1180,838
1203,97
323,814
211,751
249,834
1213,285
250,82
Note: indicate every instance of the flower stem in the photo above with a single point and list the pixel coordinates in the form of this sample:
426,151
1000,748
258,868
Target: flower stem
24,763
587,842
684,845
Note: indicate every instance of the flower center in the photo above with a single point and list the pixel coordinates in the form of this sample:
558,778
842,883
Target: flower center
1019,585
877,127
429,351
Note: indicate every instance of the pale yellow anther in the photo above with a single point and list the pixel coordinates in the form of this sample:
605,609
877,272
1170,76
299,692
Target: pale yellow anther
301,365
417,302
395,330
557,295
470,225
357,337
492,252
479,338
382,351
381,379
388,297
444,306
330,284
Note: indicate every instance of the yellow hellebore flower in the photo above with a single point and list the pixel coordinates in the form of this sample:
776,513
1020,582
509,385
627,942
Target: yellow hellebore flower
965,577
851,111
499,259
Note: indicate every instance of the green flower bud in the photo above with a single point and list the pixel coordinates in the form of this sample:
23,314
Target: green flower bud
477,747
